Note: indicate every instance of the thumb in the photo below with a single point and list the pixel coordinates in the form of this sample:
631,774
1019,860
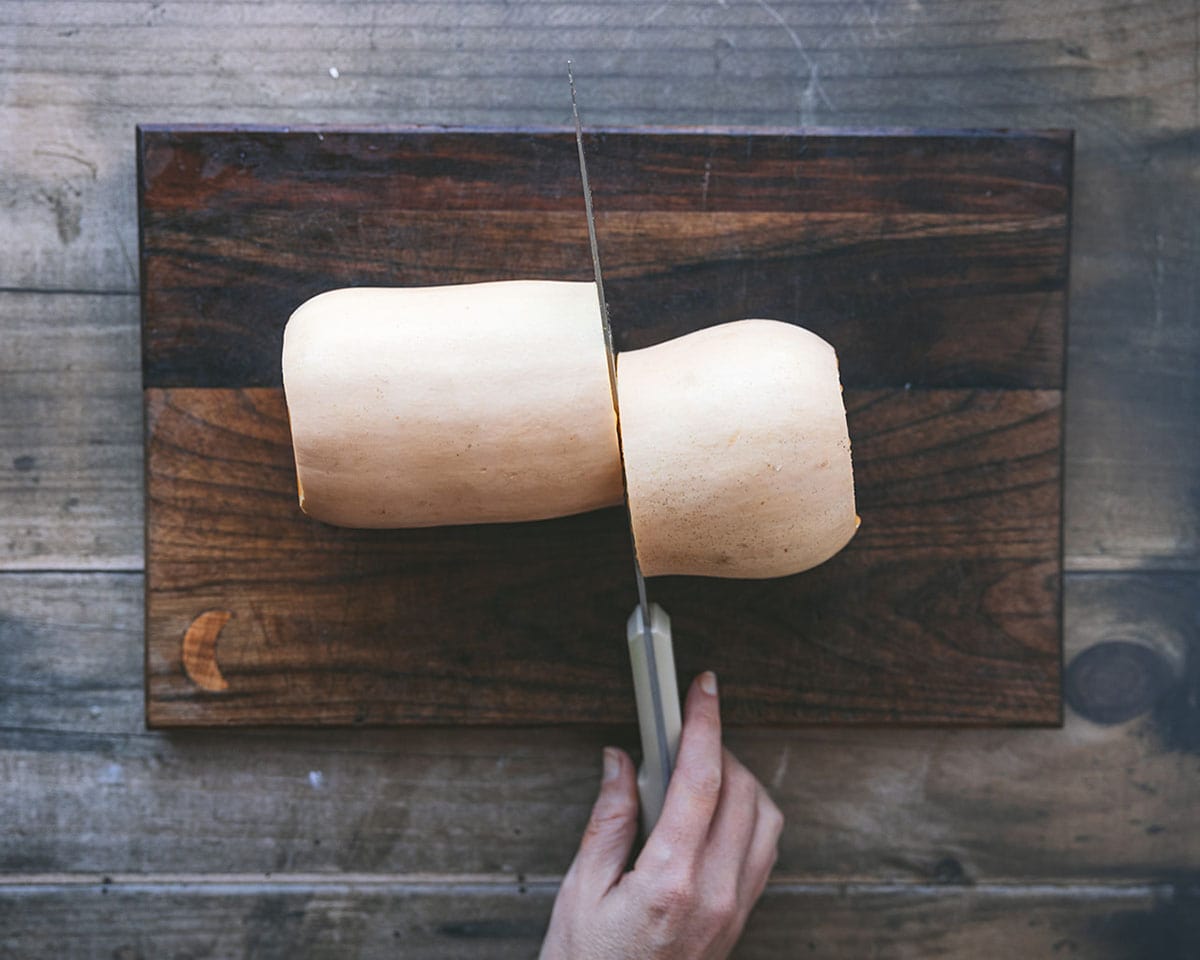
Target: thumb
608,839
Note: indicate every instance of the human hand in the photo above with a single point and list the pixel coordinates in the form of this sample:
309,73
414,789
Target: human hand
702,869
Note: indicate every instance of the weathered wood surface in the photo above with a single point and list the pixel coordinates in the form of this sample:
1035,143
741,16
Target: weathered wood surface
90,790
78,80
956,564
374,920
869,803
70,432
1114,71
927,259
930,260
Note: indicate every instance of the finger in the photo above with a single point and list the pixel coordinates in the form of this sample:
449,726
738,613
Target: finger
695,787
737,813
608,839
762,853
729,840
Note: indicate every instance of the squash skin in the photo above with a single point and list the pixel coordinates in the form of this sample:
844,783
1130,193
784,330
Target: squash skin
474,403
737,454
490,403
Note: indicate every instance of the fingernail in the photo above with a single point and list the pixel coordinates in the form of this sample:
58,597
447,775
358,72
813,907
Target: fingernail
708,683
612,764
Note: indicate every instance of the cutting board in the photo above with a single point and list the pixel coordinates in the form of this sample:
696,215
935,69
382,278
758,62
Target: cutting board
936,263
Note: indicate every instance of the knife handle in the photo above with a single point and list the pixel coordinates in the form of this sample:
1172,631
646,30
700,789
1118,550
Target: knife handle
660,723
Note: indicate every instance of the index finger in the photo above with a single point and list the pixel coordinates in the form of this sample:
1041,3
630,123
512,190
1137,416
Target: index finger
695,787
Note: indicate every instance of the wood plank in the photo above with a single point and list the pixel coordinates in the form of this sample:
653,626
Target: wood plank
75,92
317,918
69,656
955,564
196,169
1122,76
70,443
1134,434
89,789
927,259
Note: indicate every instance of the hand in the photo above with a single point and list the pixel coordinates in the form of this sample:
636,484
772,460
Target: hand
701,871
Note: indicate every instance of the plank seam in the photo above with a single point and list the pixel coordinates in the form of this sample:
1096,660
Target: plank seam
70,571
70,291
549,882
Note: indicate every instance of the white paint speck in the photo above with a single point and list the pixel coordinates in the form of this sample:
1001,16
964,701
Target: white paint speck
335,72
112,774
316,779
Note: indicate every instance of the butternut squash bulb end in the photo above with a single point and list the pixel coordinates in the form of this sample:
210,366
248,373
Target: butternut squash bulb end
737,453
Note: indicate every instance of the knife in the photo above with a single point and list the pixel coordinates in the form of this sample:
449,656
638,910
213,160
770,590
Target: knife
648,629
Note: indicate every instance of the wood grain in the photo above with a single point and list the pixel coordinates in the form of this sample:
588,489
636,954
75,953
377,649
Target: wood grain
929,259
1042,807
91,790
1123,76
70,437
955,565
1117,72
438,920
937,260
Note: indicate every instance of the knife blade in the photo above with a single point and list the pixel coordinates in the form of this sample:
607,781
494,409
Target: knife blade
648,630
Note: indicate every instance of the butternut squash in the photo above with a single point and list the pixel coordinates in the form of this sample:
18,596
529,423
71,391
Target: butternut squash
490,403
737,455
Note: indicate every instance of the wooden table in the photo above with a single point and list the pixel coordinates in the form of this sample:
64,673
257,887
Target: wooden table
116,842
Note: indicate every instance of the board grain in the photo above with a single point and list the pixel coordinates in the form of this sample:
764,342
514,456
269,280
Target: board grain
1046,814
935,262
910,807
233,917
954,565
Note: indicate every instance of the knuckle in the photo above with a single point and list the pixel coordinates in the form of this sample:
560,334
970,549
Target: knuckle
733,765
768,810
774,818
741,783
607,817
674,897
704,780
721,908
746,787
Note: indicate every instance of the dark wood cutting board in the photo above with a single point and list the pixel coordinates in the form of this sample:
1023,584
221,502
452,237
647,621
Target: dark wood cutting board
935,262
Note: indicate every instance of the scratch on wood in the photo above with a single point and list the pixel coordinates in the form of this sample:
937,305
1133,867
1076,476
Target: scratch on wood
814,90
781,768
65,152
